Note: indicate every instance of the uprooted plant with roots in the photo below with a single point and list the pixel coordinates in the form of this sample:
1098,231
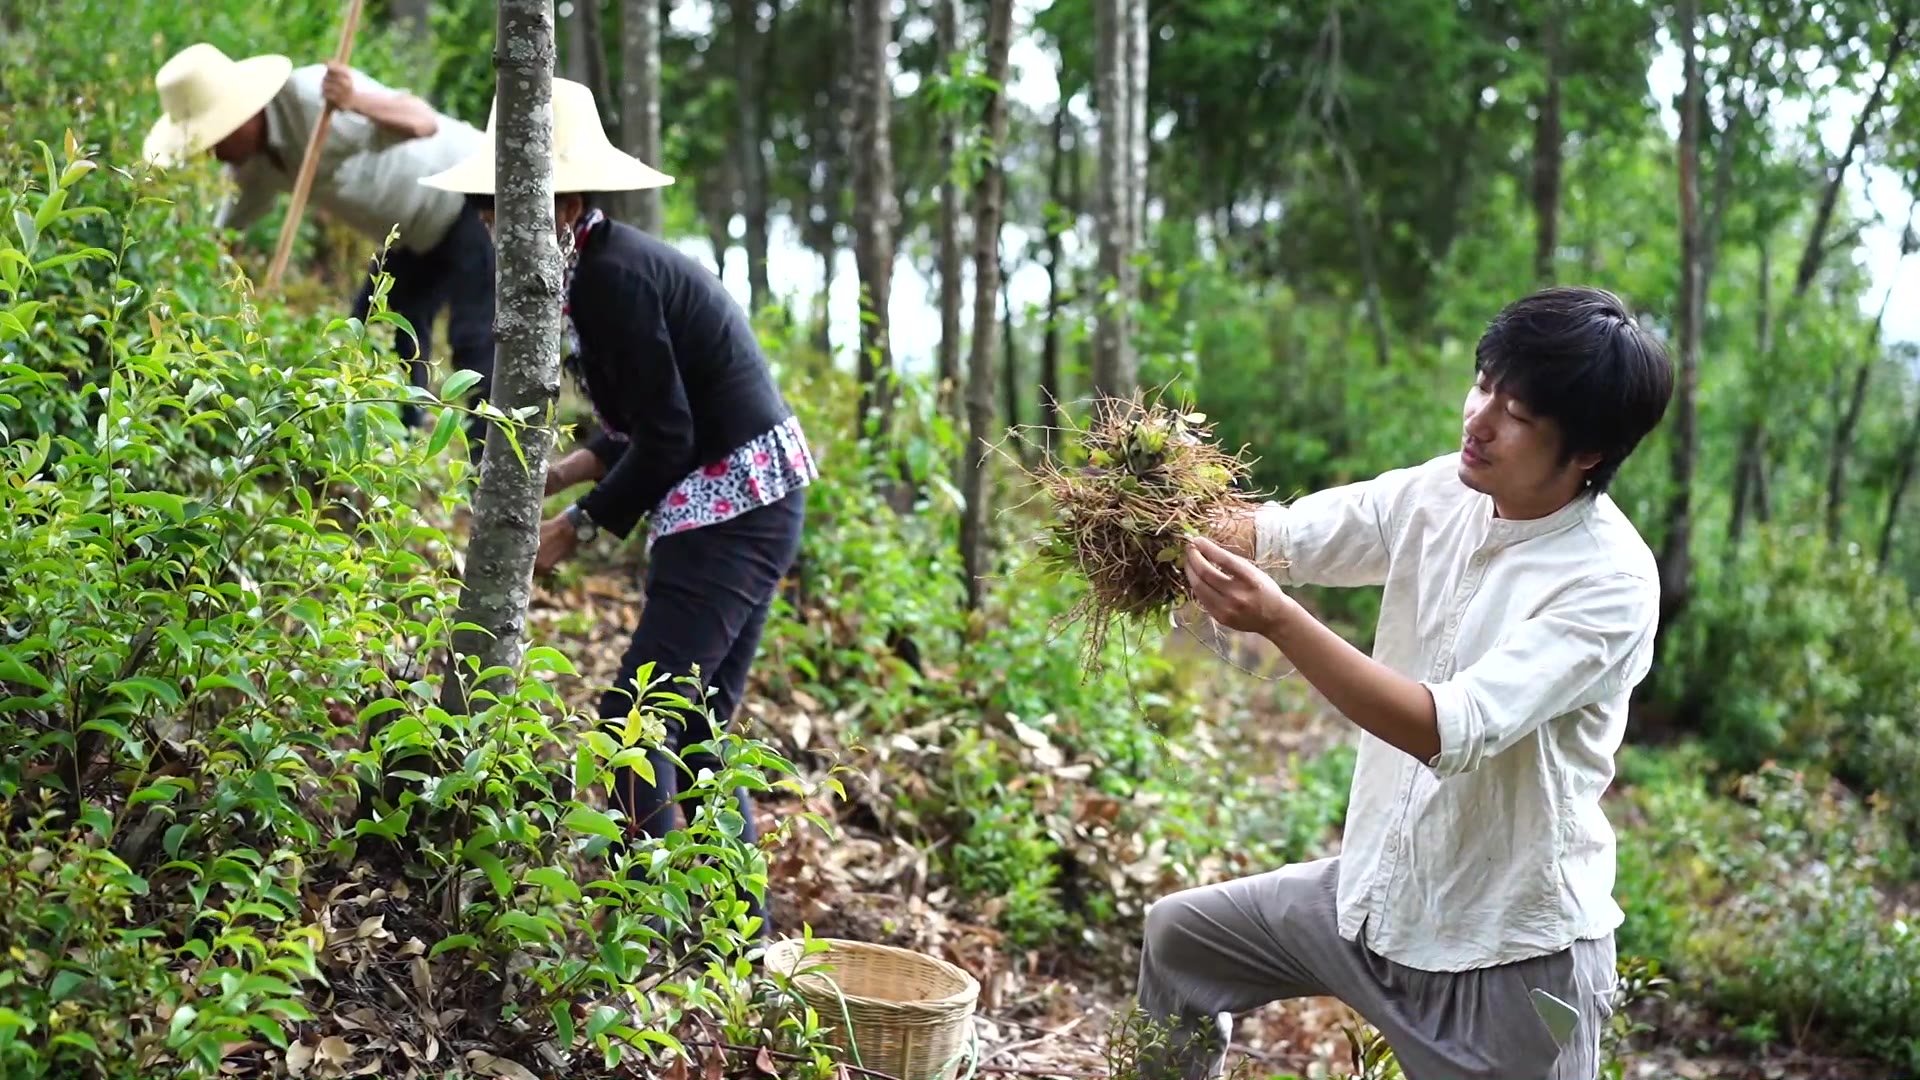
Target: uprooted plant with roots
1153,477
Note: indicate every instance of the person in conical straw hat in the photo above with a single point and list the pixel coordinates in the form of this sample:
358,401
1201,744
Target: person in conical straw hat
255,116
694,436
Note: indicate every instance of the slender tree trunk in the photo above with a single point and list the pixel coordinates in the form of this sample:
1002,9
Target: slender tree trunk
827,131
573,59
506,508
1909,450
1547,155
1010,352
1137,133
1114,365
717,197
1676,562
987,202
751,146
1363,234
1746,469
640,103
874,208
948,31
414,16
593,23
1056,275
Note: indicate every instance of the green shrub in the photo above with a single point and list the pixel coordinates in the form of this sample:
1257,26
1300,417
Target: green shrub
1771,905
1801,651
225,769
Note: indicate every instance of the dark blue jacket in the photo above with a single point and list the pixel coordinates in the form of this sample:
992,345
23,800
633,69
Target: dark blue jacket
670,359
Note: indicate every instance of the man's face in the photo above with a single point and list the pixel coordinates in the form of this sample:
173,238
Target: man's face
1510,453
244,143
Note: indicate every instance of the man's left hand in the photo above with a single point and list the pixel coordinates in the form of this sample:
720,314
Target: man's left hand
337,86
557,541
1232,590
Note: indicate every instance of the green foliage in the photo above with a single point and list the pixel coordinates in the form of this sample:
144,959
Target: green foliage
226,605
1801,650
1768,902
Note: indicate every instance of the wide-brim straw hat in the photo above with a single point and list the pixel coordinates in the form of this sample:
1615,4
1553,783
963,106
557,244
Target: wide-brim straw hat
205,96
584,159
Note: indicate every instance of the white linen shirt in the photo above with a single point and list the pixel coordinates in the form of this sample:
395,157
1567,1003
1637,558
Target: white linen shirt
1530,635
367,176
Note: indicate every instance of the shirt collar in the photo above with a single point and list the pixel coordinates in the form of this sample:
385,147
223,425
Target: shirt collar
1510,531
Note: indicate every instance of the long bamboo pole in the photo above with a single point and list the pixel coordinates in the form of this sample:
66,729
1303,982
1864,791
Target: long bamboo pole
311,162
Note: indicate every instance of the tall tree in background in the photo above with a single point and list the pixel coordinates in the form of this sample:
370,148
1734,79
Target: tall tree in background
1115,82
640,102
1751,469
875,208
1548,151
947,45
988,202
498,579
414,15
748,80
1676,557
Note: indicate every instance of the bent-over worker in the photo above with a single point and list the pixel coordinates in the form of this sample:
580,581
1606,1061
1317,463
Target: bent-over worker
695,438
256,116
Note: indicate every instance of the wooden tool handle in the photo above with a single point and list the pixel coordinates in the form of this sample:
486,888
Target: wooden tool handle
311,162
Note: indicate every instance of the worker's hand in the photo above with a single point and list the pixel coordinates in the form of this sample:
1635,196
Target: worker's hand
337,85
1233,591
557,541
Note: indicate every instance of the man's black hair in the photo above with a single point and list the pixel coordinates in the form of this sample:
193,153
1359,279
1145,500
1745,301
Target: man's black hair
1574,355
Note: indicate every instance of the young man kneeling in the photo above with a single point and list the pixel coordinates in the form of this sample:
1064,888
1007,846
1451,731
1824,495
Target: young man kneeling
1470,914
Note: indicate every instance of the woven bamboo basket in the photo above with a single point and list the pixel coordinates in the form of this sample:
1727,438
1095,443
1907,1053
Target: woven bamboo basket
907,1014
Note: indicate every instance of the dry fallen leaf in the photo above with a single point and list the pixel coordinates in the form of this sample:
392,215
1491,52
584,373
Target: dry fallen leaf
333,1050
488,1065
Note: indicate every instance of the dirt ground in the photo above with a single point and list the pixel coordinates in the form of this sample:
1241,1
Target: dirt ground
1048,1014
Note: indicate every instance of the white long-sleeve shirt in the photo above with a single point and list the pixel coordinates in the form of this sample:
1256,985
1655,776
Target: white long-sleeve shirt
1530,635
368,176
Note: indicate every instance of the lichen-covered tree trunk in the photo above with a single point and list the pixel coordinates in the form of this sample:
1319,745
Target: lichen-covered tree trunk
874,206
640,103
505,537
988,199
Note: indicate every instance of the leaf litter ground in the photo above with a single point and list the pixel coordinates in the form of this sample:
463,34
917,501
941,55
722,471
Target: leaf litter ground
1042,1012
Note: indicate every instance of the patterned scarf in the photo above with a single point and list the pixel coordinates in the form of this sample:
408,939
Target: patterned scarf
576,239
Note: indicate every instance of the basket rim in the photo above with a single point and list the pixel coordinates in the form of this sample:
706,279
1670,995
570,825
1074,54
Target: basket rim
969,991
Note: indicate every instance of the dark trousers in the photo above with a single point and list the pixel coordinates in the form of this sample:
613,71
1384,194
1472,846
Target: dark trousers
708,592
456,274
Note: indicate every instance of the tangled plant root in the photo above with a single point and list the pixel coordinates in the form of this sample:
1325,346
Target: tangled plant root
1154,477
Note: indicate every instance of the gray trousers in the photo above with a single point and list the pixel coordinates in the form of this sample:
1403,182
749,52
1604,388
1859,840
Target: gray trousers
1220,949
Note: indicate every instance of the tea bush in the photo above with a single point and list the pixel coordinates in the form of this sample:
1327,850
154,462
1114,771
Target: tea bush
1800,650
1769,902
228,779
